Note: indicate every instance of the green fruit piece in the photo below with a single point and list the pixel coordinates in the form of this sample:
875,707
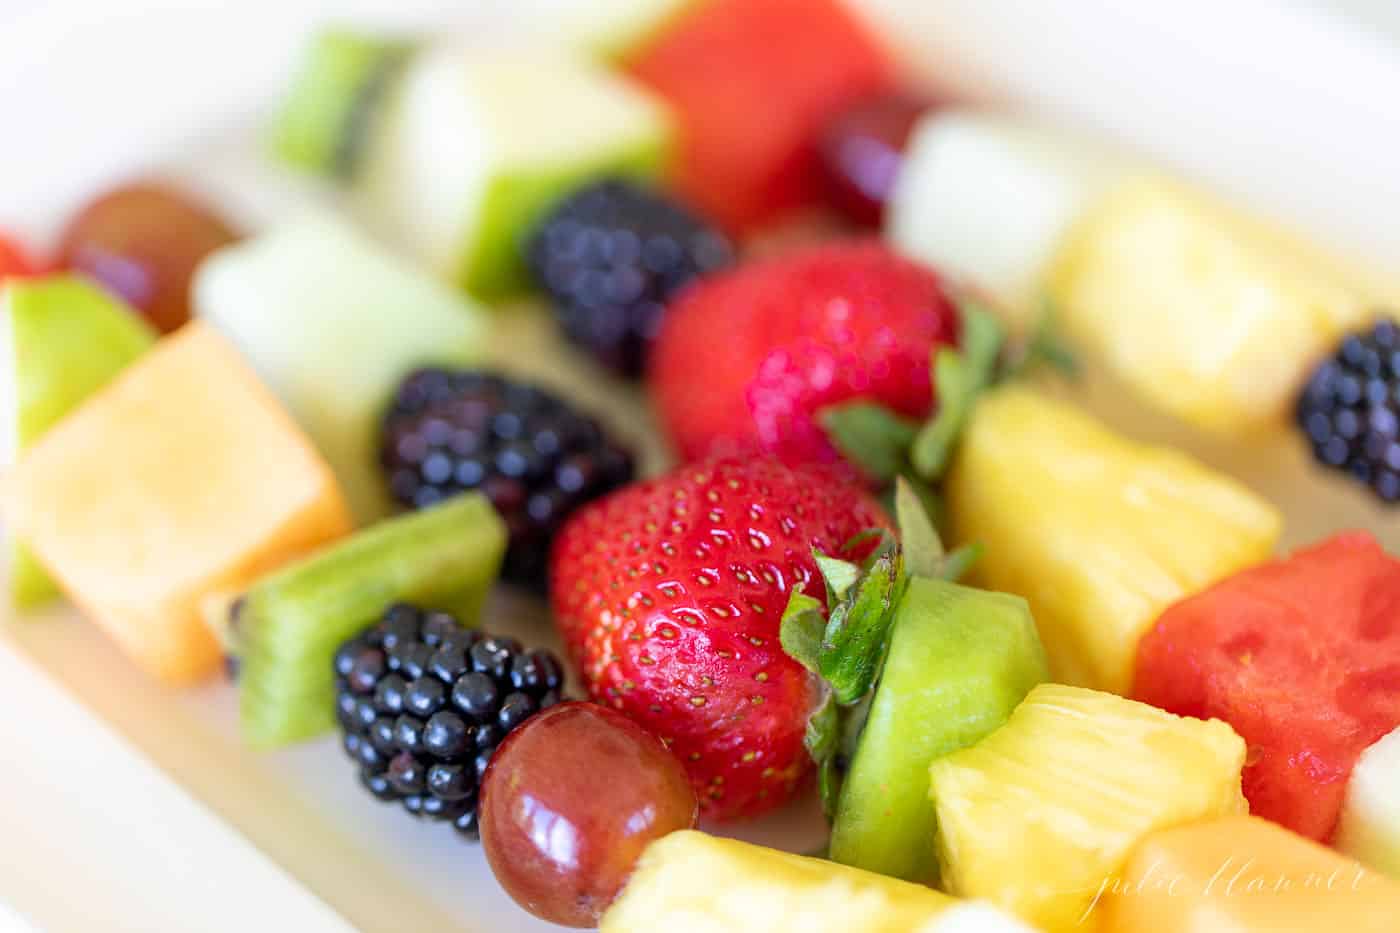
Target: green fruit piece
959,662
331,104
287,628
333,323
474,149
61,340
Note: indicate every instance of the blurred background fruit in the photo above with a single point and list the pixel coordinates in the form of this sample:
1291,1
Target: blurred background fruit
142,242
751,82
862,147
12,260
778,341
611,256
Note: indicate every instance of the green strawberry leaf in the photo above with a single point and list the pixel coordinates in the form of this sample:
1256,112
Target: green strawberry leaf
961,375
923,549
802,628
861,538
1046,349
840,576
822,741
871,436
858,628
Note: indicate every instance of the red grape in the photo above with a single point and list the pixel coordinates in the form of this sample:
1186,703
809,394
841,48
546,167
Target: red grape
12,260
861,148
142,242
569,802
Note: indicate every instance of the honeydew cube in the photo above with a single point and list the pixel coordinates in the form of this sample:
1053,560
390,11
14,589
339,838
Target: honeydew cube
475,145
991,201
332,322
1370,824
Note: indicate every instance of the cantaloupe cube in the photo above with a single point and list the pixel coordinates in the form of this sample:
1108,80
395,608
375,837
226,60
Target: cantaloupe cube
183,477
1243,875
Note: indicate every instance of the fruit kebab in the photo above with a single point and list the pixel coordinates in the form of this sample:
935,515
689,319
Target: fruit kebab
1209,316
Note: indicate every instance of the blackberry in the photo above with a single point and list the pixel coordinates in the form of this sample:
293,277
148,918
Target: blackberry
1350,409
610,256
533,456
424,741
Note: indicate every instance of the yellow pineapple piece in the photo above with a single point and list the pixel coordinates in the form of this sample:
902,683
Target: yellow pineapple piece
1034,817
689,882
1207,314
1099,533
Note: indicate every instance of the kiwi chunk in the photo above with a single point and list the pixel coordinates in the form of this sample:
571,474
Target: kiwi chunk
329,109
287,628
959,662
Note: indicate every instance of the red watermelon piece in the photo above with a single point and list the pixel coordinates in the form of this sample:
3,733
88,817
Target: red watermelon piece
13,260
752,82
1300,656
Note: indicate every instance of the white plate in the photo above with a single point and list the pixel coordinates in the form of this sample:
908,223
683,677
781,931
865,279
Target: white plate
125,806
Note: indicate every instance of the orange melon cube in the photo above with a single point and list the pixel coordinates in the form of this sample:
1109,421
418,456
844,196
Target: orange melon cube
182,478
1244,875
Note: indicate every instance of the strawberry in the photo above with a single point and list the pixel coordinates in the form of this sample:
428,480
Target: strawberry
750,359
669,595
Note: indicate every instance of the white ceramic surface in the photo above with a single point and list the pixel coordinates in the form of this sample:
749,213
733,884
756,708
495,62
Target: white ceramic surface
127,807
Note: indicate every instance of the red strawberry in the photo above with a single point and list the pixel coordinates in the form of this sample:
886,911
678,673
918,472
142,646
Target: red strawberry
669,595
748,358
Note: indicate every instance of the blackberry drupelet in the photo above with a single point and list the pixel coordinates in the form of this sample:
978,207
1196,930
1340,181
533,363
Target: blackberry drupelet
423,703
610,256
533,456
1350,409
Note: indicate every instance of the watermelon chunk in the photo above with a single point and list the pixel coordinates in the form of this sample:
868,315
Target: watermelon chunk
752,82
1300,656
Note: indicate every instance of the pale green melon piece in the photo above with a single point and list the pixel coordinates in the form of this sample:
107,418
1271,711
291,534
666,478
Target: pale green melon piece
960,660
61,340
475,146
990,201
332,322
1369,830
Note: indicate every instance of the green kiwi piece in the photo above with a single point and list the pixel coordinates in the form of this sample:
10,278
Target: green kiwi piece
329,108
960,660
287,628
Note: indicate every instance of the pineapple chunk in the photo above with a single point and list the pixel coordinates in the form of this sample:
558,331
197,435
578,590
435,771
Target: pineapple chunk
689,881
1099,533
1208,315
1035,816
1369,829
